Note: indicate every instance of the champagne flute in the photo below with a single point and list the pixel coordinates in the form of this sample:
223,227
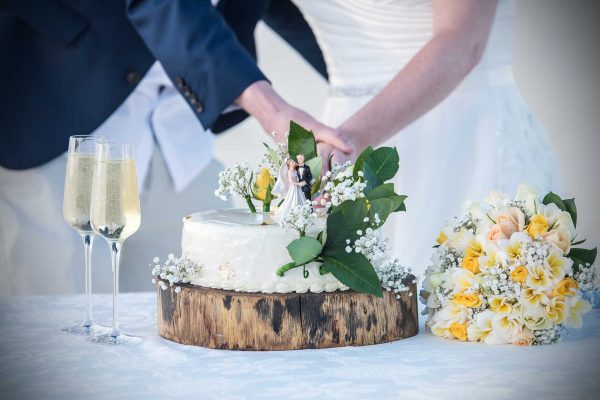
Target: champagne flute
76,212
115,215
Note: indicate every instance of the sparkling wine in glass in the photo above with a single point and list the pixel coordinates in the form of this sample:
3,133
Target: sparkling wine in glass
115,215
76,211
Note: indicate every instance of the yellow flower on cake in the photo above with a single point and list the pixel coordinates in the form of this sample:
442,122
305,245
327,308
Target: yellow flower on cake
538,225
499,304
459,331
566,287
577,307
264,181
471,300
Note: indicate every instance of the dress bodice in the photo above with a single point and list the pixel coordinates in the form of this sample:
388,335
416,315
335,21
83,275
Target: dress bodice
366,42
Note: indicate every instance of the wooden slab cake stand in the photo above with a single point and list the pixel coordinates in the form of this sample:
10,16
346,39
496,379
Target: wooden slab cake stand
222,319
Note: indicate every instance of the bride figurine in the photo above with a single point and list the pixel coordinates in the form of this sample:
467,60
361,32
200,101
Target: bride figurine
288,187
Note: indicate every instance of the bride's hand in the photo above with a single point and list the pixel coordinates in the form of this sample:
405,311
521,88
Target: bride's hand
326,150
275,114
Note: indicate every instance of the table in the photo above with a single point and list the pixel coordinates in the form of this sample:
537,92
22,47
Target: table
38,361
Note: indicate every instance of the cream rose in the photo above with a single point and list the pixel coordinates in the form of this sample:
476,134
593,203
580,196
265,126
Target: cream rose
511,221
521,337
559,238
495,233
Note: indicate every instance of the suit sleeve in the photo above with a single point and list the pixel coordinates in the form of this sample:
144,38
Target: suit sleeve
287,21
198,51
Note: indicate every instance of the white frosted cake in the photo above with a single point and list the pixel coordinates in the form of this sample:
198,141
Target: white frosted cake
238,250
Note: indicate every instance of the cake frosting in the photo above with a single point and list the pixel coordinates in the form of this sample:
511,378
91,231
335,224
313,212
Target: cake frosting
239,250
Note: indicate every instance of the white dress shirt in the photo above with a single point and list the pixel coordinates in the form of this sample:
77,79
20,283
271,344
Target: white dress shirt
155,113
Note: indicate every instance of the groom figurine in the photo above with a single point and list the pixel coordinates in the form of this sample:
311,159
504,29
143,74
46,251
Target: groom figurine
305,176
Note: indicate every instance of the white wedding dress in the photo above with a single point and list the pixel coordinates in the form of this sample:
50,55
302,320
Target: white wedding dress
480,138
293,194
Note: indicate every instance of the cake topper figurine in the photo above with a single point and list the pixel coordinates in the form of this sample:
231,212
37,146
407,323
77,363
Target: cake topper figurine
305,176
290,187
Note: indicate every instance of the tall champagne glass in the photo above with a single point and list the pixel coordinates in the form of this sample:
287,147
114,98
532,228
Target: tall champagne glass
76,211
115,212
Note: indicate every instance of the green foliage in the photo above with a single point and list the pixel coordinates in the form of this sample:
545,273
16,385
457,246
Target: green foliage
353,270
567,205
358,165
344,221
301,141
273,155
380,166
304,250
582,258
384,201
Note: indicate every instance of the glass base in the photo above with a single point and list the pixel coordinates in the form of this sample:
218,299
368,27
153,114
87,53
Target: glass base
87,329
110,339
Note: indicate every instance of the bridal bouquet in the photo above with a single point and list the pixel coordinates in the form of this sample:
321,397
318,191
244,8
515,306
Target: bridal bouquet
509,271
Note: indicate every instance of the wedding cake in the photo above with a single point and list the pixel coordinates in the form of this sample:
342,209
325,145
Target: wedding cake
300,273
238,250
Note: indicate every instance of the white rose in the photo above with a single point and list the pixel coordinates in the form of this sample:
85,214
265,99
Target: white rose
496,199
529,196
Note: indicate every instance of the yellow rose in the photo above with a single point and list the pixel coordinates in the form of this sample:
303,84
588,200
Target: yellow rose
495,233
565,287
467,300
459,331
537,226
441,239
263,185
519,274
471,264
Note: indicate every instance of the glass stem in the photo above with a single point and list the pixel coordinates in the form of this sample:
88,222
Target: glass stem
88,242
115,254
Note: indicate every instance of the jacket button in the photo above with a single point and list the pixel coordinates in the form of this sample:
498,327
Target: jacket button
199,107
133,78
179,82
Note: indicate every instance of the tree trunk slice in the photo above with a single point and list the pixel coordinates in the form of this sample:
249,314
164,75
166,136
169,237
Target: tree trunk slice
222,319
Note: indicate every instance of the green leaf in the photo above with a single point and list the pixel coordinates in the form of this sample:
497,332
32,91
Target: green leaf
273,155
578,242
384,162
384,201
344,221
554,198
358,165
316,166
304,250
571,209
353,270
587,256
301,141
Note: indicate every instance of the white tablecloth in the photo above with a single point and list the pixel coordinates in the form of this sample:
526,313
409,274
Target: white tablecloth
38,361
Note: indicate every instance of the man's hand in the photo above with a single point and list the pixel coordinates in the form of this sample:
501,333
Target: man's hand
326,150
274,114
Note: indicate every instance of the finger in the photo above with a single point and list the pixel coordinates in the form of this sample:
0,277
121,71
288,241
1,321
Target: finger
336,139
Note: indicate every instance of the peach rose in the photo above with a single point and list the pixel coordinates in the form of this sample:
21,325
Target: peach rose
495,233
511,221
560,239
521,337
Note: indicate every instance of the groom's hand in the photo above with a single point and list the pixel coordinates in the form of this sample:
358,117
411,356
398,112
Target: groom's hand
274,114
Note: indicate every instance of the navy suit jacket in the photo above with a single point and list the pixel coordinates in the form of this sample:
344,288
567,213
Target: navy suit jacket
68,64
